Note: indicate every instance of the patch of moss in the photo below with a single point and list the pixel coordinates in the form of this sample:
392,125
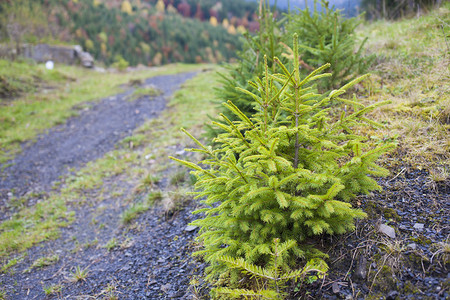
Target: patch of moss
374,208
384,280
409,288
415,258
422,240
390,213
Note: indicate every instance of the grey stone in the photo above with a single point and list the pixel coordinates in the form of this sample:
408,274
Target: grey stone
58,53
336,288
412,246
190,228
166,287
418,226
392,295
86,60
387,230
361,268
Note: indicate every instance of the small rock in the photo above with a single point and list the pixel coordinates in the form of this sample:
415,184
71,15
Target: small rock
181,152
166,287
418,226
392,295
190,228
336,288
361,268
412,246
10,195
128,254
148,156
387,230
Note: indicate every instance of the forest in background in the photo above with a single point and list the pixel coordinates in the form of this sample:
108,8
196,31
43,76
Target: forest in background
133,32
157,32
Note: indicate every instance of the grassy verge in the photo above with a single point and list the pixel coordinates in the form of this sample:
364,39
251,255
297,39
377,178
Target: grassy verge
154,141
45,98
412,71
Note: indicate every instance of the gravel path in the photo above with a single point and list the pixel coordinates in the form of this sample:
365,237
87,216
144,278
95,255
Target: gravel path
81,139
151,260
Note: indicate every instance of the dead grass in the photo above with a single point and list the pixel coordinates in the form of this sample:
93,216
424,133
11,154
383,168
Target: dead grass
412,71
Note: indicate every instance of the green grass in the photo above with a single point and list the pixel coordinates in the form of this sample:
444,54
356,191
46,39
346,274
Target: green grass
133,211
52,289
21,119
44,262
153,197
143,92
11,263
111,244
79,274
21,77
134,140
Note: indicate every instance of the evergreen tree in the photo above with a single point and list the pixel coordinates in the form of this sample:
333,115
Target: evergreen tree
287,172
266,42
326,36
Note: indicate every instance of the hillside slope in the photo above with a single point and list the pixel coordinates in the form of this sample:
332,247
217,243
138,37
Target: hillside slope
121,32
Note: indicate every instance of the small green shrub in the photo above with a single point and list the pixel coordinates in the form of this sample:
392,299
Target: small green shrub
286,172
120,63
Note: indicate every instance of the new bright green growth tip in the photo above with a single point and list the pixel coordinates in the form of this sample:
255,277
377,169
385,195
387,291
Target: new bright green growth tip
286,172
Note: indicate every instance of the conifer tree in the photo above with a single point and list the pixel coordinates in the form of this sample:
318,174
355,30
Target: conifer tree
327,36
265,42
287,172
